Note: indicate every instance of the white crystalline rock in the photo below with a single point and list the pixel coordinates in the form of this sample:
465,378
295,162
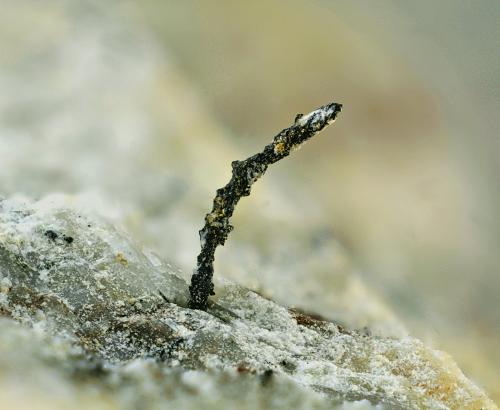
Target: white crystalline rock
61,378
317,116
124,312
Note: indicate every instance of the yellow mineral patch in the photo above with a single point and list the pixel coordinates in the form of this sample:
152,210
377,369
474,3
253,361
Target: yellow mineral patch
279,148
120,258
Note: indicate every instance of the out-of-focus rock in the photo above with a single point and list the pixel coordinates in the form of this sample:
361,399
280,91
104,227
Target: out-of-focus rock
119,313
61,377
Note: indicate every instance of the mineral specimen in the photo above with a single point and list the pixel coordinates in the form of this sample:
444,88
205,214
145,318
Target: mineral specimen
245,173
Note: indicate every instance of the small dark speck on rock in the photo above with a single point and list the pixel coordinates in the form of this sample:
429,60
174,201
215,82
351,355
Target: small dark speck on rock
168,352
266,377
288,366
51,235
68,239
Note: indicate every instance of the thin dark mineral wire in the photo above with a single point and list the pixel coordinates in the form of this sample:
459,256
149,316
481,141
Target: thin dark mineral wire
245,173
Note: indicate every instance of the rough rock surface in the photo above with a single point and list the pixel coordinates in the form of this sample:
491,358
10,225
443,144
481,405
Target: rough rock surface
100,312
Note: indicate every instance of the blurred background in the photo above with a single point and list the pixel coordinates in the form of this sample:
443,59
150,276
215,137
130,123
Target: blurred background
388,219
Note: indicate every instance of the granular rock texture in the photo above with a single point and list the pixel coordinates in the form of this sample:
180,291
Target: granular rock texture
109,319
